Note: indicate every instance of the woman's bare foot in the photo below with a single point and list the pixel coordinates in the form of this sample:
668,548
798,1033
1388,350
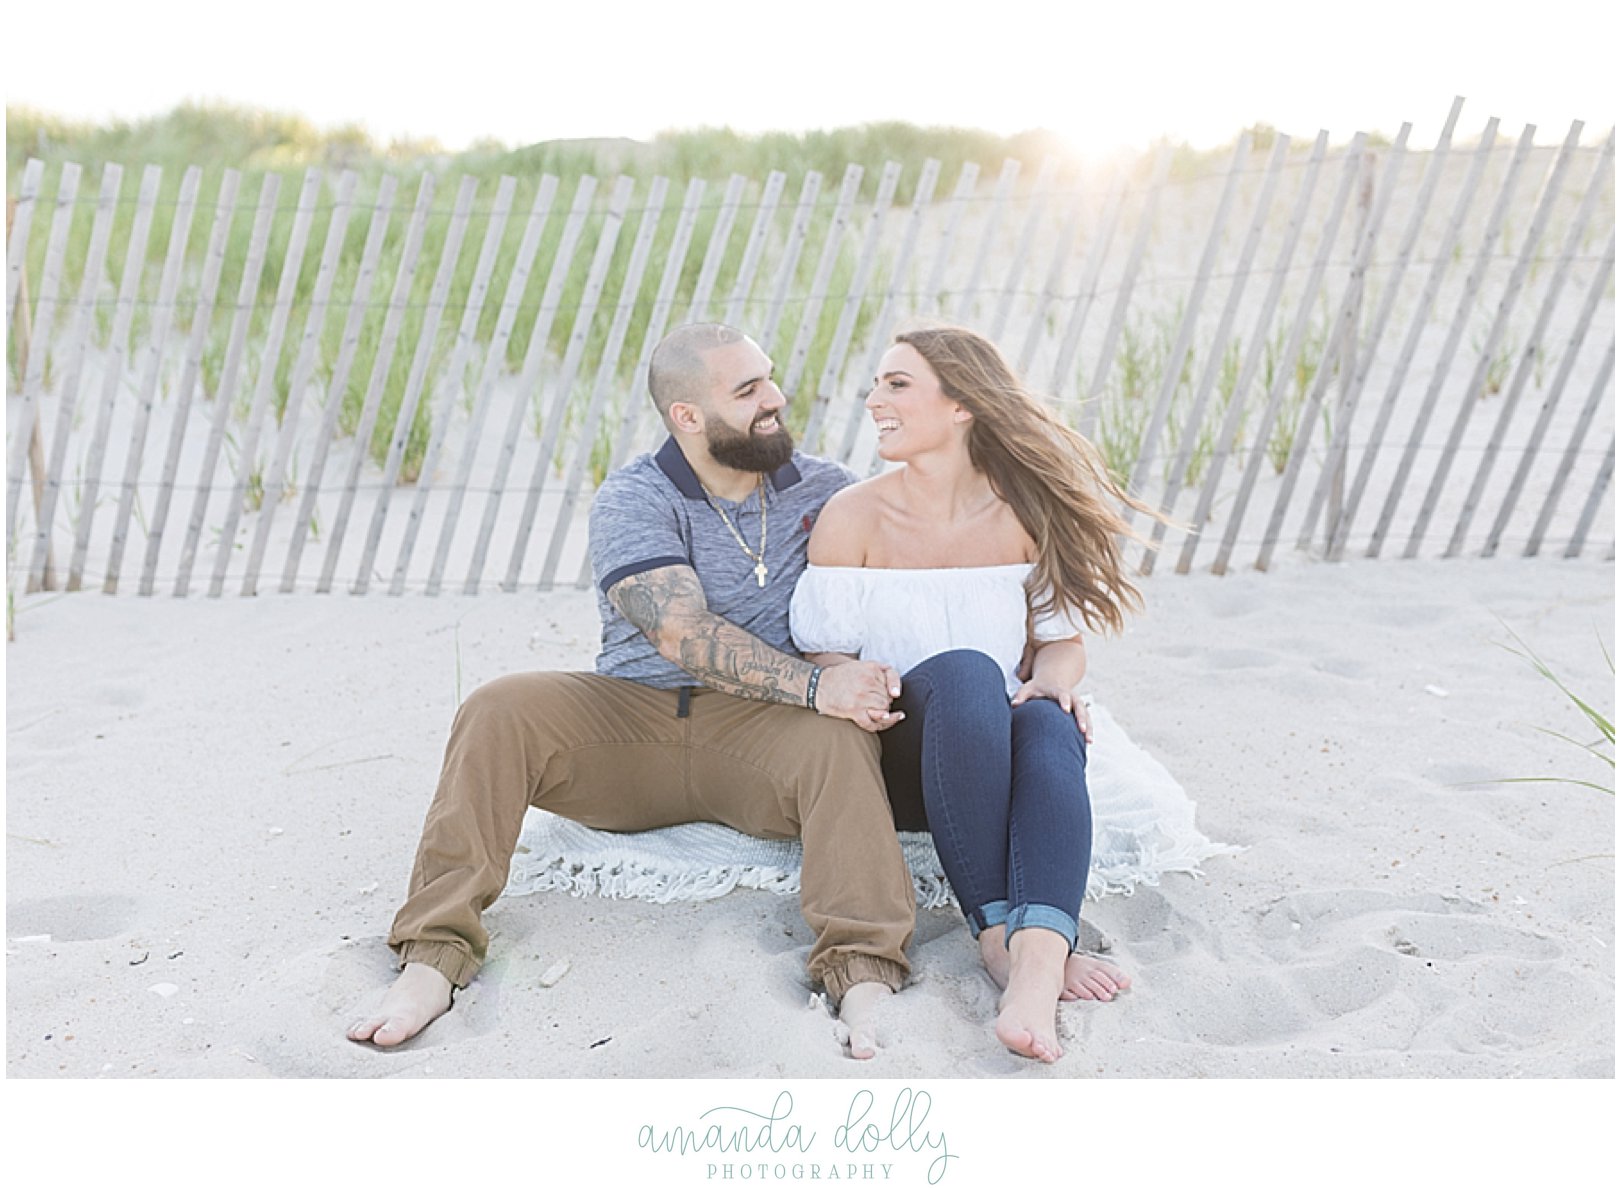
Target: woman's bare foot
1028,1021
858,1012
418,997
1085,977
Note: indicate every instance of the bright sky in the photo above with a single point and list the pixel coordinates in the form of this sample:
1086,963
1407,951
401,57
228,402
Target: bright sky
1102,75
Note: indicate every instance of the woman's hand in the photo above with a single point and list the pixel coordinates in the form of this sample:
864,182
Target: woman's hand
1063,695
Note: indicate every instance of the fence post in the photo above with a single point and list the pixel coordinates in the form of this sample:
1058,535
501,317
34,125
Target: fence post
529,377
1218,351
1602,278
162,320
831,246
1415,331
360,299
41,569
834,365
1227,436
596,278
1364,240
635,410
1340,444
36,450
1128,281
128,292
1290,356
629,291
247,295
1528,353
1349,363
382,363
414,383
1471,288
443,410
494,355
1499,325
202,314
1175,360
275,483
265,388
25,450
1567,462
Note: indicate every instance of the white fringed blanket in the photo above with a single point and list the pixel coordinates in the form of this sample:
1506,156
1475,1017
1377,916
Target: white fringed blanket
1142,828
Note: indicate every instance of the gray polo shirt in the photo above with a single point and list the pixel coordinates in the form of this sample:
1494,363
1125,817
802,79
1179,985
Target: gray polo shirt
652,513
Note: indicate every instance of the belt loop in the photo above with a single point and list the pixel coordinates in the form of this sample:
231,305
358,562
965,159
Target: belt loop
683,701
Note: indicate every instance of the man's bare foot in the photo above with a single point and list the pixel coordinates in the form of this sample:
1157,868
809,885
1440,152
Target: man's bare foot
418,997
1085,977
858,1012
1028,1021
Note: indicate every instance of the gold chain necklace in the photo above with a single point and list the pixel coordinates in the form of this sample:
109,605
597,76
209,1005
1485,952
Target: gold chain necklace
757,558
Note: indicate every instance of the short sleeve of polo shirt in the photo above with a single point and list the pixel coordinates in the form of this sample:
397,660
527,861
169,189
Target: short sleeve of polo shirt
634,528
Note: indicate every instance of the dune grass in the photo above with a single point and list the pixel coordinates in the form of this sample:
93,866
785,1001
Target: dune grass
1596,719
260,145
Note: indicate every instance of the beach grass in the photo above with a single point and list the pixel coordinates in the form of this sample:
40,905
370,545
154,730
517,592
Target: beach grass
265,145
1603,723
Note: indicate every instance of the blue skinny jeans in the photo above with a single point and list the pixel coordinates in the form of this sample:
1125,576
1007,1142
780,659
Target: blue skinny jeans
1002,788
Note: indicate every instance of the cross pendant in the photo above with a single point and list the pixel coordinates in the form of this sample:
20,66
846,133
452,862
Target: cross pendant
759,573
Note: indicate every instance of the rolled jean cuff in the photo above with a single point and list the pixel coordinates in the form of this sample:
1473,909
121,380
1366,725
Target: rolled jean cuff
449,959
986,916
1043,916
862,968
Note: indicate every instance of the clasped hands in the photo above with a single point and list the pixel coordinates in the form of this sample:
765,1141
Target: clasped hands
862,692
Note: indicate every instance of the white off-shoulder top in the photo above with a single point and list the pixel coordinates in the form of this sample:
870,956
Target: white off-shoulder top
903,617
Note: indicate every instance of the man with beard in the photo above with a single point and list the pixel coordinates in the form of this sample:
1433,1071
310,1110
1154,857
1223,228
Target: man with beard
699,709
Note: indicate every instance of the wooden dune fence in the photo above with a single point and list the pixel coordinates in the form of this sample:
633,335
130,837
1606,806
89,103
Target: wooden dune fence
250,384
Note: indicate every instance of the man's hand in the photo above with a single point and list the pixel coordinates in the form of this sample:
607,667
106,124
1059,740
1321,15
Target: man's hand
860,691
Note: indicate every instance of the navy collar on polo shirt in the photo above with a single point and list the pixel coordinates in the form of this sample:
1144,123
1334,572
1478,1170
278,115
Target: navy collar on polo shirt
679,471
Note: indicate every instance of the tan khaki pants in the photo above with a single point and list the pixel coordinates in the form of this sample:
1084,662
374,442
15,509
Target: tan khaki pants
614,755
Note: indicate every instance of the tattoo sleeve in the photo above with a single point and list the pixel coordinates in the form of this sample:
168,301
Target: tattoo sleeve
669,608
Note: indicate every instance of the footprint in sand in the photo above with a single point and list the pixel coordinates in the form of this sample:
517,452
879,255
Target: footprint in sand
72,918
295,1015
1225,659
1349,982
1351,667
1312,920
1153,929
125,697
1234,604
1347,951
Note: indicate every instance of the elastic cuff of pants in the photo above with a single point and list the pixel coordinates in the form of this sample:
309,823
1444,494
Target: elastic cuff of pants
987,916
446,957
862,968
1043,916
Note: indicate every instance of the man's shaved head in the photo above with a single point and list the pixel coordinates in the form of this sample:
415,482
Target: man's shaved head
677,371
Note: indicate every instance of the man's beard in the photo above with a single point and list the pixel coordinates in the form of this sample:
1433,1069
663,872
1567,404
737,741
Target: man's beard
758,453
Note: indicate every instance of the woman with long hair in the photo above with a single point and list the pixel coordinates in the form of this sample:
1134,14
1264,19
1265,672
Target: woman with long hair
972,568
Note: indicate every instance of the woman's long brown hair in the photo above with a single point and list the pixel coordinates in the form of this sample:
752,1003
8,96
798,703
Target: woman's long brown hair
1053,478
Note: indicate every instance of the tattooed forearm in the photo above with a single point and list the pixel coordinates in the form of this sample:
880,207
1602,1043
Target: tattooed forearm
668,606
725,657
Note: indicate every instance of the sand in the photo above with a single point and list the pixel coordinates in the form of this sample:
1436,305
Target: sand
212,807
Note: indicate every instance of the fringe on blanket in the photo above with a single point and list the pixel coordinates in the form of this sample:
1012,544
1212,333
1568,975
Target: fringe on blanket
563,864
556,857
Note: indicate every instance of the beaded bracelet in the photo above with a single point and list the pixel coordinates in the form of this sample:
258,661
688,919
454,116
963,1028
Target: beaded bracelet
810,687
